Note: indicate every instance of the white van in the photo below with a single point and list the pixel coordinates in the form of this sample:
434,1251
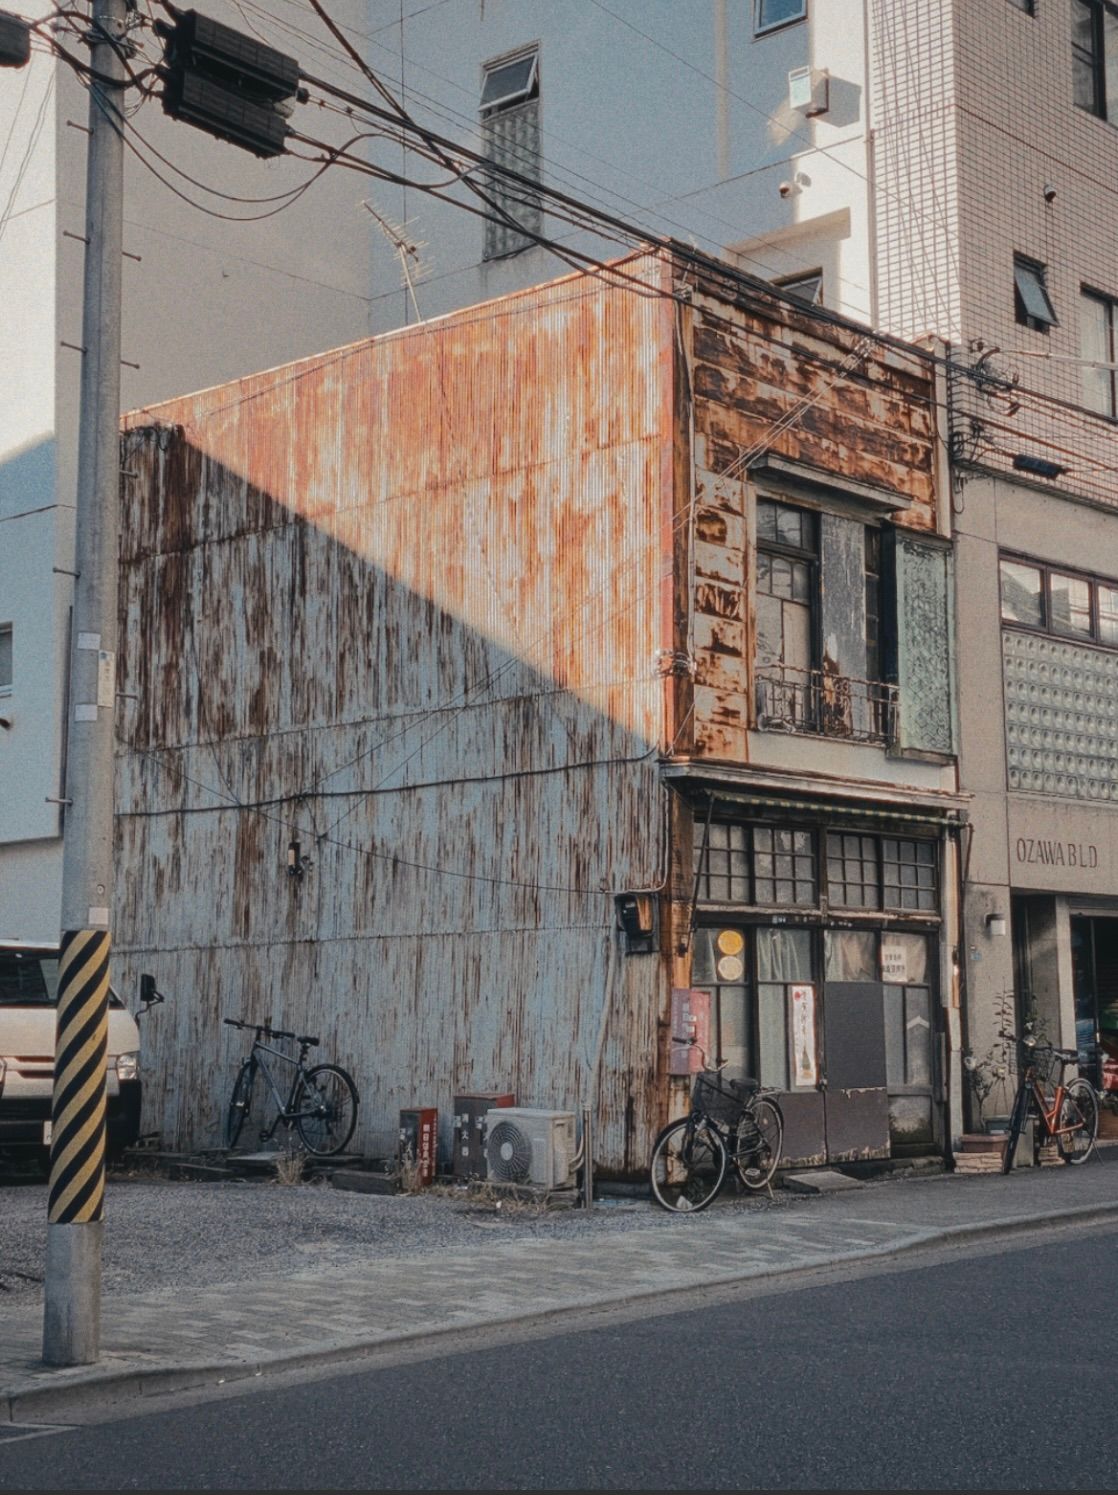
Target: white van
28,991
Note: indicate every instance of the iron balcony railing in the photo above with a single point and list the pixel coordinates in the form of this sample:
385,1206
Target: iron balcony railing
814,701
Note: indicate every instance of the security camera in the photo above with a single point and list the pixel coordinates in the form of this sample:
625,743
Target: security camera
1049,193
785,189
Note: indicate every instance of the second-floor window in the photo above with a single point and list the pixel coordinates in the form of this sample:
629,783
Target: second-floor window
787,592
1060,602
818,610
1094,52
510,127
1099,318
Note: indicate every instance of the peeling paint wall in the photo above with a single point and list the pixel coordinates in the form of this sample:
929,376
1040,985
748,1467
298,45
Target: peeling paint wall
404,603
772,379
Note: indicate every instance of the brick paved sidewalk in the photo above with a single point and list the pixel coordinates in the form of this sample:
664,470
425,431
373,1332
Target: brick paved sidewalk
157,1341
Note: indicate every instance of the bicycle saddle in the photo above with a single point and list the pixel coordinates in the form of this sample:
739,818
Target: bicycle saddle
311,1043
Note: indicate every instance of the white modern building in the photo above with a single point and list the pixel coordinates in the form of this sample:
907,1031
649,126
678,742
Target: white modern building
206,297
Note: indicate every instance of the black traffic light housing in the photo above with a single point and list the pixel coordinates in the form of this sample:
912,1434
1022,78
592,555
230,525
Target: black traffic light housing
227,84
15,41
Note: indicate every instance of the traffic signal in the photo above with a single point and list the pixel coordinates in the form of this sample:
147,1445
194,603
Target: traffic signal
15,41
227,84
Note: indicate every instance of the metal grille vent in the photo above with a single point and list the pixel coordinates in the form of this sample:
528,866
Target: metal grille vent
509,1154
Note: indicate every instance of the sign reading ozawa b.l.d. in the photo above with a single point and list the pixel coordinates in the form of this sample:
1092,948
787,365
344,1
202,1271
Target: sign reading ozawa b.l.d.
1042,851
1063,848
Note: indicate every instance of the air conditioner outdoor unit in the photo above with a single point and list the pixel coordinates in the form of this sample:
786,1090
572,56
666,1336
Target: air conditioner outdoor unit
530,1147
809,89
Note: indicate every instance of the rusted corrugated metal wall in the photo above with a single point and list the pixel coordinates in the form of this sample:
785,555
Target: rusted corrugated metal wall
768,377
403,604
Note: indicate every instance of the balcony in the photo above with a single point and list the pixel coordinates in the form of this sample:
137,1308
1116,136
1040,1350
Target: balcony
824,705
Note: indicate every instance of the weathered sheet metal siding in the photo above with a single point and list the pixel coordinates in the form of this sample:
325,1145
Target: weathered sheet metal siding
769,378
403,603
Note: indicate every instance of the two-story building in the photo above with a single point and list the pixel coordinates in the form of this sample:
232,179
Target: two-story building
492,683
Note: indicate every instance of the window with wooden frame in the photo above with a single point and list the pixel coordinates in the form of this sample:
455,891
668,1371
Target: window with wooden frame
819,578
776,866
1052,600
759,866
893,874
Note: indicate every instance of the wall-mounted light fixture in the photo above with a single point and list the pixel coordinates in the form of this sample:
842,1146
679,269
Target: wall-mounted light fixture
995,922
297,863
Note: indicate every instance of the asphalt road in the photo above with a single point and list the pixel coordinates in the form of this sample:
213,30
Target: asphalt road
990,1370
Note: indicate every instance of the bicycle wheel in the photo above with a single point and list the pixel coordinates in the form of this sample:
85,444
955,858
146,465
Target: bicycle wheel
1016,1126
326,1109
240,1103
1080,1110
688,1166
757,1143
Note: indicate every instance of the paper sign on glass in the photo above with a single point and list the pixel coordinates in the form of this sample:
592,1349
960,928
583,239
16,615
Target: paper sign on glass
894,960
804,1066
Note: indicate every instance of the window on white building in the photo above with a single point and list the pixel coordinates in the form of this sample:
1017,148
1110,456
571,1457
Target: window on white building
1099,323
1033,304
808,286
1069,604
5,658
769,14
1094,53
510,126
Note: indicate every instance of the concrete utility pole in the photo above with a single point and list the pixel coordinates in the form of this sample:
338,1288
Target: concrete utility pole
72,1308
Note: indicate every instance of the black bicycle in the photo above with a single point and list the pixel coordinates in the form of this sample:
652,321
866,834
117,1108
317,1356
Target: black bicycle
321,1103
730,1121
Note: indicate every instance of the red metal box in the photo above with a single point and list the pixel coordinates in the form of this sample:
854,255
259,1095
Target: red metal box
419,1141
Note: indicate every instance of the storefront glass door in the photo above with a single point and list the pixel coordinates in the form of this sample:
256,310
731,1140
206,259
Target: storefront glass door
1094,954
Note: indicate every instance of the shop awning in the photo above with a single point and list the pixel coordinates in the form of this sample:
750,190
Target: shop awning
760,791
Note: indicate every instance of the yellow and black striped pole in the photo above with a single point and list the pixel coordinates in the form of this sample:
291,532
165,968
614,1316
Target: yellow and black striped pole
77,1154
71,1323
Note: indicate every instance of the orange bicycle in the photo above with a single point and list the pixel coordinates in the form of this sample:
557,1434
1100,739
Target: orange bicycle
1068,1114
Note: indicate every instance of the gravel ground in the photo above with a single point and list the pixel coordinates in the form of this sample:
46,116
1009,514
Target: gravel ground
200,1234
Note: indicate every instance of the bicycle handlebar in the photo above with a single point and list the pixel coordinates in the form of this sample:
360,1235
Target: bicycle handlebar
1030,1041
695,1044
262,1030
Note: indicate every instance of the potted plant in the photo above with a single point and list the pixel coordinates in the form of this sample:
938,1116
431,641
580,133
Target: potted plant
987,1074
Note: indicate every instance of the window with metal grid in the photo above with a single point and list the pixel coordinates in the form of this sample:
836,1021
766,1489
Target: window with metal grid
908,874
784,867
853,871
725,873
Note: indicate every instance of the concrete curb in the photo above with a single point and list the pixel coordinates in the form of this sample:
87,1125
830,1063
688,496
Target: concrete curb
98,1384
